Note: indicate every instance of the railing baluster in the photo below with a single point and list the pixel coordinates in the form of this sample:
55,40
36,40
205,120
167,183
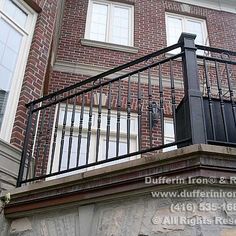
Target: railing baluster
161,104
89,126
222,106
139,114
25,146
118,120
150,105
55,137
32,144
47,139
63,136
99,123
80,130
39,142
231,92
173,103
108,122
71,132
209,100
128,115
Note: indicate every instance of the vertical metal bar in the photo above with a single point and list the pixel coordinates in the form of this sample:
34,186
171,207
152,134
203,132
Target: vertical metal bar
80,130
231,92
99,123
222,106
71,132
209,100
25,147
139,114
108,122
63,136
128,116
118,120
55,137
173,103
161,104
150,105
89,127
47,139
32,145
39,142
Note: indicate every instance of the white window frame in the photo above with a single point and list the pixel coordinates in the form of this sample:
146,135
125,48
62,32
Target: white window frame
92,151
184,19
110,5
17,79
168,138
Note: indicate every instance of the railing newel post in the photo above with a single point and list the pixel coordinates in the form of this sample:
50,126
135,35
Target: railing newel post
193,100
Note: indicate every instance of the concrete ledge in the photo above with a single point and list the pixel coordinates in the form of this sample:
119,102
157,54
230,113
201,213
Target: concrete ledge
123,179
10,161
93,70
111,46
221,5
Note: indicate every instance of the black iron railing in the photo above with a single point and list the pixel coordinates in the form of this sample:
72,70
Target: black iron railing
146,106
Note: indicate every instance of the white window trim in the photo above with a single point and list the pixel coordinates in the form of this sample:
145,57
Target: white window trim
17,79
185,18
109,19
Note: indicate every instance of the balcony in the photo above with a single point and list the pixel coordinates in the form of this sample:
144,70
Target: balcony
148,106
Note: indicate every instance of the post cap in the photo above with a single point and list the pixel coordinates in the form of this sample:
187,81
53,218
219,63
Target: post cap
186,35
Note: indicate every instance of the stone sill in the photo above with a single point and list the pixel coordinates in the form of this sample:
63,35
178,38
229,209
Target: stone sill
9,165
111,46
124,179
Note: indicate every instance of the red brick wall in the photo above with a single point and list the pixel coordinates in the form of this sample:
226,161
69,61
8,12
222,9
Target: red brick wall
36,65
149,35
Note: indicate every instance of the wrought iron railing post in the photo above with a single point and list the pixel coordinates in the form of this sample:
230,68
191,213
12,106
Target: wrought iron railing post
193,101
25,147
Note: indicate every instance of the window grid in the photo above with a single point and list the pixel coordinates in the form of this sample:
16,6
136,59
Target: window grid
176,24
17,22
110,22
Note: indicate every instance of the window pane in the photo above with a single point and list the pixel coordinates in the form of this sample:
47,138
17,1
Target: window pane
73,157
3,101
14,12
10,42
169,129
112,149
174,29
169,136
120,26
98,22
5,81
14,40
195,28
4,31
9,58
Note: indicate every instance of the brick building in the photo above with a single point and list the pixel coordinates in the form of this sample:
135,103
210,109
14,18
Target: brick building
48,45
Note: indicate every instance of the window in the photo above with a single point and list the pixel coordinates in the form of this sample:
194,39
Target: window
169,135
110,22
176,24
102,144
17,22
